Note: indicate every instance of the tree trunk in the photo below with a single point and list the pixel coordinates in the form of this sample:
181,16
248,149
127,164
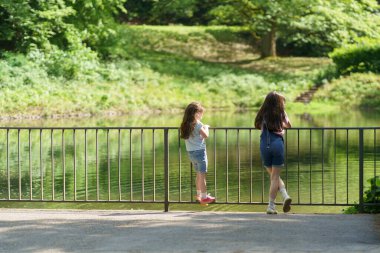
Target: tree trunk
268,43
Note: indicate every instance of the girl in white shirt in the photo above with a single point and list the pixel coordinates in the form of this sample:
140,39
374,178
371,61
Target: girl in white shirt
195,133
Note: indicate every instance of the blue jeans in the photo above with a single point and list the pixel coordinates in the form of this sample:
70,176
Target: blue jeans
272,149
199,160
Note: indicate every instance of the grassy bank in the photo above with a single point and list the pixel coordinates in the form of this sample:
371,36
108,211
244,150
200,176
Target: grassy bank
156,68
358,90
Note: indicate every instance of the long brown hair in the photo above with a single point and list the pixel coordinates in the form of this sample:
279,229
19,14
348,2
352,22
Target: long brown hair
272,111
189,121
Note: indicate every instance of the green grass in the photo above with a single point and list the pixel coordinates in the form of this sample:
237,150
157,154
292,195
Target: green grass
158,68
359,90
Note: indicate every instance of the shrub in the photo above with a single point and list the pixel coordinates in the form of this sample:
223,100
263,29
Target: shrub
364,56
72,64
371,196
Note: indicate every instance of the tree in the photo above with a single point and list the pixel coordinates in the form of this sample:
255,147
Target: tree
139,12
325,23
66,24
164,12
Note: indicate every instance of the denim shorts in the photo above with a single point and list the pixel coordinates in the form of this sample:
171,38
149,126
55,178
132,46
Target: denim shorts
199,160
272,149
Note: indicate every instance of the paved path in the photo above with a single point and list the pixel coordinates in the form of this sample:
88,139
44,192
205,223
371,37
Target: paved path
152,231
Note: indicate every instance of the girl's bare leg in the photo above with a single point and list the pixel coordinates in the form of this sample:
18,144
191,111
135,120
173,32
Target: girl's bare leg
201,182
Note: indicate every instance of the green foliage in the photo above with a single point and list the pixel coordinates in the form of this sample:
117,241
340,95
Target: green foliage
163,68
206,42
63,36
139,12
164,12
225,15
355,90
363,56
67,64
16,71
311,25
372,195
302,28
328,24
70,25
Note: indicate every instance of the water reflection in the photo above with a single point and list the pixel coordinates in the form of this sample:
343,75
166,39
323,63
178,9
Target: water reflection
214,118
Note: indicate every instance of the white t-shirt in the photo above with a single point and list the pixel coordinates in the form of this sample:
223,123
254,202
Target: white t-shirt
195,140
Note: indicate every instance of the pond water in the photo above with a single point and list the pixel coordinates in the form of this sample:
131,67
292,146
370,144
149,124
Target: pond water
322,166
347,118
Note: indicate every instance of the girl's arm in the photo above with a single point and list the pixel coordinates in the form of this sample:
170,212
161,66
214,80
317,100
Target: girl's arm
287,123
204,131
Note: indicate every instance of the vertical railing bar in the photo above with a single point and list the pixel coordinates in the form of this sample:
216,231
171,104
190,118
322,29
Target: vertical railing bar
41,168
347,167
238,154
108,165
334,166
374,154
191,182
262,185
119,162
142,165
323,166
166,168
30,165
310,184
250,165
8,170
298,165
361,169
64,164
19,165
226,165
286,159
215,195
179,166
97,164
154,165
85,165
52,164
130,165
75,166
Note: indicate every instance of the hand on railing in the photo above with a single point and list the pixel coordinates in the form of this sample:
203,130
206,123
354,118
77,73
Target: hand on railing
204,131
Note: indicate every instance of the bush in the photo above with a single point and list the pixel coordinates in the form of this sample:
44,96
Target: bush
371,196
364,56
74,64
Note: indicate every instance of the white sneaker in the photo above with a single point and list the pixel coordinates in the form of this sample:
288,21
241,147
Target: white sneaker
286,205
271,210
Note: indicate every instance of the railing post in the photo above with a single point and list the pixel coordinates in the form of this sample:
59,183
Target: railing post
361,169
166,167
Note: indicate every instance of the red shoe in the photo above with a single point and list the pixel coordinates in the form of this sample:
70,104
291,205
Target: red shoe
197,198
207,200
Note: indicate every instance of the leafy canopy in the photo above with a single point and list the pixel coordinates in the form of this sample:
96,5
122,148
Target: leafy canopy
66,24
324,23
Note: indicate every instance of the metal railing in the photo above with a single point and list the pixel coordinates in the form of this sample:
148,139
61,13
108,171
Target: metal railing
324,166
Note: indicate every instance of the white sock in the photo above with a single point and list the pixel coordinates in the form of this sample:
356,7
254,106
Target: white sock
284,193
203,195
271,202
198,192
